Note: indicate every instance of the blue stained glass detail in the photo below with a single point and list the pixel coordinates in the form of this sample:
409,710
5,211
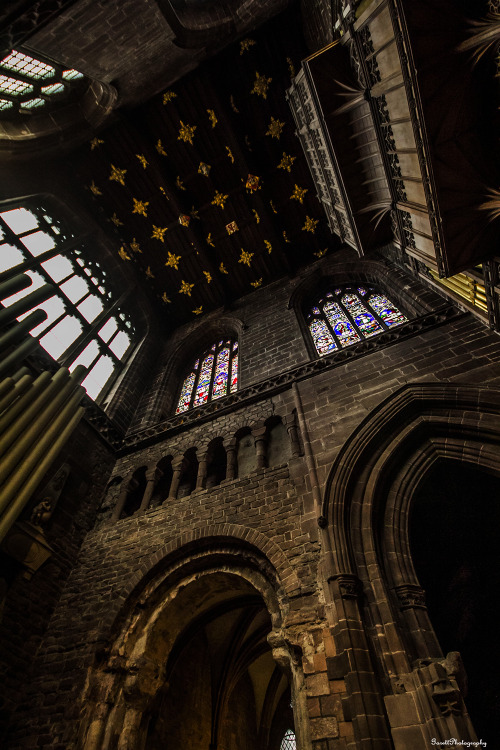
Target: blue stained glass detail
203,387
342,327
387,311
362,290
234,373
323,339
316,311
185,397
363,319
219,387
235,346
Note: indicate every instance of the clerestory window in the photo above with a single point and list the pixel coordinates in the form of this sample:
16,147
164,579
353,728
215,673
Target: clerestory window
346,315
212,376
85,323
288,742
29,84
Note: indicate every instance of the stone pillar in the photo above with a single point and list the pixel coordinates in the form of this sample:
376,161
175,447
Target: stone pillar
122,499
152,476
231,451
201,478
178,466
293,433
260,437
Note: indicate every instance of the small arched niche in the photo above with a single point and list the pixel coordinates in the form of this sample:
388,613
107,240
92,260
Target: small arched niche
189,473
246,458
278,442
216,463
136,488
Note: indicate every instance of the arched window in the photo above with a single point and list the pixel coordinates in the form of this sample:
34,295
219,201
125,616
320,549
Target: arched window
85,323
213,375
29,83
348,314
288,741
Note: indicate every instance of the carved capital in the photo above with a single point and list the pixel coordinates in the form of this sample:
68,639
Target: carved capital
348,584
410,596
447,697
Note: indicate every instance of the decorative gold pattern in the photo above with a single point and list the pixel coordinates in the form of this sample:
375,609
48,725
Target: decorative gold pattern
256,215
320,253
245,45
286,162
160,149
213,119
268,246
233,105
158,233
223,269
116,221
149,273
232,227
186,288
166,299
252,184
245,257
310,225
168,96
143,160
94,189
204,169
184,220
186,133
261,85
275,210
173,260
291,67
198,310
95,143
135,247
123,254
179,183
118,175
298,194
275,128
209,240
230,154
257,283
285,237
208,276
219,199
140,207
162,190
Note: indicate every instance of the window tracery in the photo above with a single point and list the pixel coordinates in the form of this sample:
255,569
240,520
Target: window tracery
349,314
288,742
212,376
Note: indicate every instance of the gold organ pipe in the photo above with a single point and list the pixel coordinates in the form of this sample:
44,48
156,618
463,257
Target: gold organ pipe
19,353
6,385
21,328
17,390
20,373
43,465
21,404
22,468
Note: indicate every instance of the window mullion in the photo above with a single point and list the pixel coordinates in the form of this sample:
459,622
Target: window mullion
324,318
376,315
195,386
212,376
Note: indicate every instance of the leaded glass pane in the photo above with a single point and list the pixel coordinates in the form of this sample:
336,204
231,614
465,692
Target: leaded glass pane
28,66
288,742
234,373
387,311
363,319
219,387
342,327
203,387
14,87
185,397
323,339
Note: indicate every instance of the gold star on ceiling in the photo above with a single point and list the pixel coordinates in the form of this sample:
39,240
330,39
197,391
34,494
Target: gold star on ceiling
208,276
118,175
213,119
123,254
160,149
116,221
275,128
230,154
256,215
94,189
268,245
194,213
143,160
298,194
140,207
186,288
184,220
257,283
198,310
95,143
223,269
245,45
286,162
168,96
179,183
149,273
173,260
310,224
219,199
134,245
245,257
320,253
261,85
209,240
166,299
158,233
186,133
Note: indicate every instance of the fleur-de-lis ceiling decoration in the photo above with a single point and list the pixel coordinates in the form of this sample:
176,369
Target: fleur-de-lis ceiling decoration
186,133
140,207
123,254
245,257
253,183
286,162
168,96
298,194
310,225
149,273
166,299
159,233
160,149
268,246
95,143
179,183
232,227
208,276
246,44
219,199
275,128
230,154
212,117
257,283
117,175
116,221
143,160
261,85
198,310
94,189
135,247
204,169
320,253
209,240
184,220
256,215
173,260
223,269
186,288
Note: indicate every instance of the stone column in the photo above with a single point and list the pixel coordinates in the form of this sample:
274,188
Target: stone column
201,478
260,437
122,499
152,477
231,451
178,466
293,433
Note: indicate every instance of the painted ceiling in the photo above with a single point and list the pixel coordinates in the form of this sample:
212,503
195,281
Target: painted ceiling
206,187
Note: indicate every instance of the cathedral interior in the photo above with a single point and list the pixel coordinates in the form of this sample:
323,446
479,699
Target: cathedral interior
250,374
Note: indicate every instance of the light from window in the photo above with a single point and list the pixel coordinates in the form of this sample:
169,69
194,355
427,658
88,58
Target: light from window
288,742
348,315
213,376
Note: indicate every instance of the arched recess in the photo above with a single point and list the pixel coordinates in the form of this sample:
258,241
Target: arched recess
196,655
372,577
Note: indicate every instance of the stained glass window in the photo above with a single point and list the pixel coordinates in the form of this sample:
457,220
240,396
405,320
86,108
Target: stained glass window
288,742
349,314
212,376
